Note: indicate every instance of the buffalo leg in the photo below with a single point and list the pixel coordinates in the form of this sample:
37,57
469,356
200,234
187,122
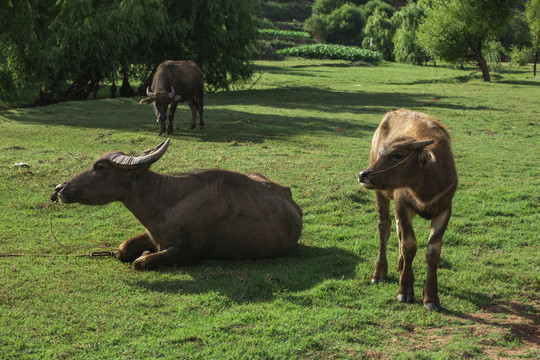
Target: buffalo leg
438,226
132,248
165,258
200,105
162,127
172,110
407,251
193,107
383,228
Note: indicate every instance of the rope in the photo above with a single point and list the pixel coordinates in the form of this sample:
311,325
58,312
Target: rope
393,166
92,255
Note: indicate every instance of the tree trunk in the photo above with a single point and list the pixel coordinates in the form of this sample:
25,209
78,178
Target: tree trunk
535,61
482,63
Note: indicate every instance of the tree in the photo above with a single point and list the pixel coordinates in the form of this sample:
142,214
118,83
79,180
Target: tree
342,26
406,45
532,13
457,30
378,34
76,44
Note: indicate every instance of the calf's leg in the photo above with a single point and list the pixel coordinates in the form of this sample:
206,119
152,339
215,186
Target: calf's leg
407,252
132,248
438,226
383,228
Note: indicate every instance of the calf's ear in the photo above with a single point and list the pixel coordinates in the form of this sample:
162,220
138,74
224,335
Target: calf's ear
148,100
176,98
426,157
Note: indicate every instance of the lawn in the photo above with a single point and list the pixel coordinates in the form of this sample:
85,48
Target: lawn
306,124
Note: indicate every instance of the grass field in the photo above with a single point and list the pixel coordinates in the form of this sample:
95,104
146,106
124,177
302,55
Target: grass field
306,124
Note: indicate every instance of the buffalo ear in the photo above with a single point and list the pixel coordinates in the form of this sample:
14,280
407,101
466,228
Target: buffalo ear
148,100
176,98
426,157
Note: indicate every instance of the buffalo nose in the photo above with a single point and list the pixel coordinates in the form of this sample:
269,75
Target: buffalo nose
363,175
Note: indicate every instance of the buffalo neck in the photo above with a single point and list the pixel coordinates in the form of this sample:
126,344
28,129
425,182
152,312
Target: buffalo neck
148,197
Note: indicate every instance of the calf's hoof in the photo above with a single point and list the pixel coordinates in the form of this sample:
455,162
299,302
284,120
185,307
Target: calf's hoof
432,306
409,299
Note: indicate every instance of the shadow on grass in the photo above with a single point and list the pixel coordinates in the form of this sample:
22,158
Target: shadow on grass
260,280
224,125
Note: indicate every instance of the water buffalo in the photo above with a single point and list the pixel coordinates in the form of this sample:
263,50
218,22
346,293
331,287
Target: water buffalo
215,214
174,82
411,163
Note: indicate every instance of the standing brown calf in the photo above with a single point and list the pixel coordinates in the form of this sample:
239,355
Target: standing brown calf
411,163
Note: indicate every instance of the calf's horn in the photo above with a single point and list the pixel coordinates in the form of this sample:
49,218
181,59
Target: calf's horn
148,157
171,94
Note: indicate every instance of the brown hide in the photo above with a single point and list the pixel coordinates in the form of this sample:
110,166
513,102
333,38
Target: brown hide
411,163
206,214
174,82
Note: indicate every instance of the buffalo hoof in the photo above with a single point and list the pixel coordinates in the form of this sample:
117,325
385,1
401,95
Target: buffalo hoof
192,126
170,131
409,299
432,306
201,126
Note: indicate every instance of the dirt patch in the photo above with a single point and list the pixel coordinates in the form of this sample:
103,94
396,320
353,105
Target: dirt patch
504,330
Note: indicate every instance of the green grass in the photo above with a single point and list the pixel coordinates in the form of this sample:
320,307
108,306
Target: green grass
307,124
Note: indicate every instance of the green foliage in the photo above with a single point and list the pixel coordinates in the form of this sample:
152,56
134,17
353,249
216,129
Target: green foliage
378,34
407,47
77,44
521,57
285,10
457,30
335,52
284,34
325,7
532,12
307,124
343,26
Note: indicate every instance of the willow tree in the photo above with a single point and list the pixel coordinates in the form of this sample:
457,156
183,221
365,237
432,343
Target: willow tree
66,48
458,30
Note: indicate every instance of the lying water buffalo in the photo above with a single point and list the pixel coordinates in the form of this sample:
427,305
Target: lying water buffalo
206,214
411,164
174,82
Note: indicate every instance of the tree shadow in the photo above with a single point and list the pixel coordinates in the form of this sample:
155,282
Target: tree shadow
259,280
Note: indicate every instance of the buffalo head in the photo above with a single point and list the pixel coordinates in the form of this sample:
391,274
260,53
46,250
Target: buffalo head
109,179
161,101
398,164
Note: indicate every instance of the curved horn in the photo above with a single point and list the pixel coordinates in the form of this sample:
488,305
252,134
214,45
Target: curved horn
171,94
149,93
420,144
148,157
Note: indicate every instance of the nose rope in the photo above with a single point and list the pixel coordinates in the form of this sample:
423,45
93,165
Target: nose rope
66,247
393,166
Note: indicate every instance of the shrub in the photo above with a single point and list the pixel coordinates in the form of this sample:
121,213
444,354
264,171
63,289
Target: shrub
334,52
284,34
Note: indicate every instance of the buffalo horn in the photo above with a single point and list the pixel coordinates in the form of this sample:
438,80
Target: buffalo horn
149,93
171,94
421,143
148,157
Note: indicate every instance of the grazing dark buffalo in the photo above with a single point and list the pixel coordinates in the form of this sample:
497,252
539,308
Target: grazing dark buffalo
174,82
411,164
207,214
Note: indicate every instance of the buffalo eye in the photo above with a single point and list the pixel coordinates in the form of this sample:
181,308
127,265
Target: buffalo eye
99,167
397,156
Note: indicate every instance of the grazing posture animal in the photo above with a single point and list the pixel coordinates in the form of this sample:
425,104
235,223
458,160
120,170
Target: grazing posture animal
207,214
411,163
174,82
